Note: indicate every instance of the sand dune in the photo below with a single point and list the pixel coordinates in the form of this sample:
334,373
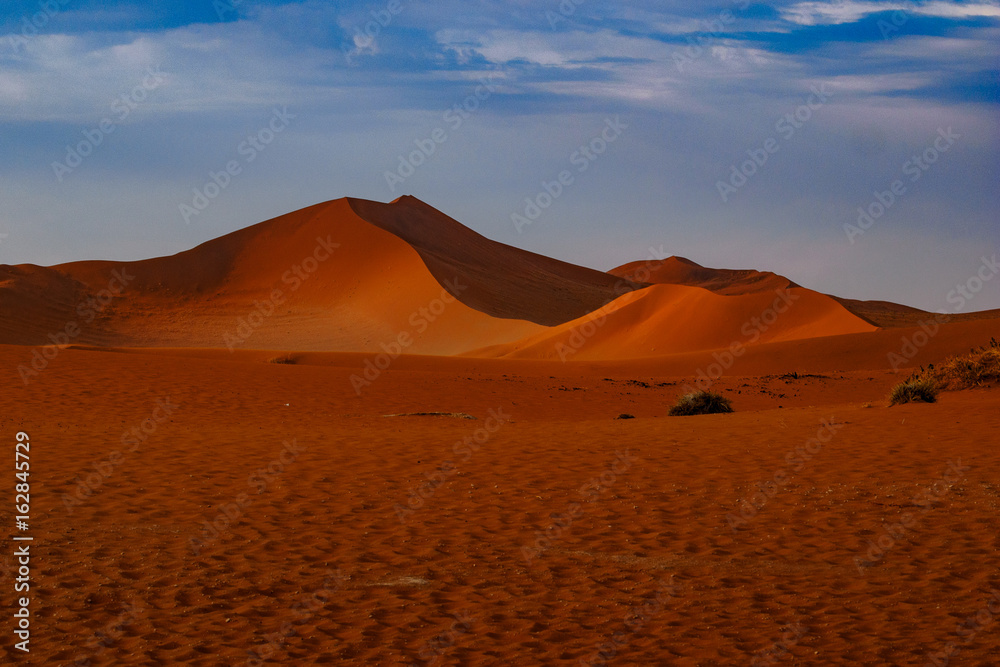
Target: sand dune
321,278
681,271
200,506
403,278
670,319
503,281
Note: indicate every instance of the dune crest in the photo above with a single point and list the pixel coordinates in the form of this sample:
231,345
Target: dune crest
681,271
352,275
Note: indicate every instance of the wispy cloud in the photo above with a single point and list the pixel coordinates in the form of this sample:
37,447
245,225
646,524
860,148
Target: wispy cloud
848,11
361,102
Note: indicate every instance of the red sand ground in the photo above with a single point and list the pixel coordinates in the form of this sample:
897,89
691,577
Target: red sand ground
813,526
663,519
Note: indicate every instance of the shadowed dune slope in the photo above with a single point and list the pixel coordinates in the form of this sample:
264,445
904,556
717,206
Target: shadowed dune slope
681,271
893,315
317,279
35,301
501,280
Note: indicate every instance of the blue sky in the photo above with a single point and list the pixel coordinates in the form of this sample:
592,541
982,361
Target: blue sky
737,134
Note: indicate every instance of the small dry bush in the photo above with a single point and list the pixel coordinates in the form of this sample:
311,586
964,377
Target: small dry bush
700,403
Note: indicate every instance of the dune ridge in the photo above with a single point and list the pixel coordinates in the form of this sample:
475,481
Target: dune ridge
351,275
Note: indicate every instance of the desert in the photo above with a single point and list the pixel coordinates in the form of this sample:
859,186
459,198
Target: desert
432,467
516,334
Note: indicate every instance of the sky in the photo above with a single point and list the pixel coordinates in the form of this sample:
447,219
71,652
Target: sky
851,146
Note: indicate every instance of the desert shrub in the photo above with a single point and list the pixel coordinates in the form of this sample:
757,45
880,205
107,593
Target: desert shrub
700,403
919,389
980,367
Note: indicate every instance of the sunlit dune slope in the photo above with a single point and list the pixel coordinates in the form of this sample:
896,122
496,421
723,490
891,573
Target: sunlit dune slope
668,319
320,278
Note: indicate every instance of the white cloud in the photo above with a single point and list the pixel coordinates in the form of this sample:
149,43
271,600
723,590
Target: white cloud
849,11
75,78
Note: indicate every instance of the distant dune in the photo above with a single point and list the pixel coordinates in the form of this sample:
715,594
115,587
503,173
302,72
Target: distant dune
728,282
352,275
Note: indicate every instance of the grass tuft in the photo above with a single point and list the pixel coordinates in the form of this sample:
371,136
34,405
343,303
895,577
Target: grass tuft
700,403
924,390
979,368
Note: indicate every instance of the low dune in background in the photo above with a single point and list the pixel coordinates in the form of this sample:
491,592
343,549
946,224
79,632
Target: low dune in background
681,271
362,434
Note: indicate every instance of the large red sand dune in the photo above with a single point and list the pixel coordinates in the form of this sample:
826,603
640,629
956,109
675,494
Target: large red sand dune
192,505
321,278
358,276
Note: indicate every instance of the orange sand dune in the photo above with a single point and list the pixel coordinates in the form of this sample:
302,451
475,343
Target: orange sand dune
502,281
682,271
666,319
198,505
358,276
319,278
865,353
